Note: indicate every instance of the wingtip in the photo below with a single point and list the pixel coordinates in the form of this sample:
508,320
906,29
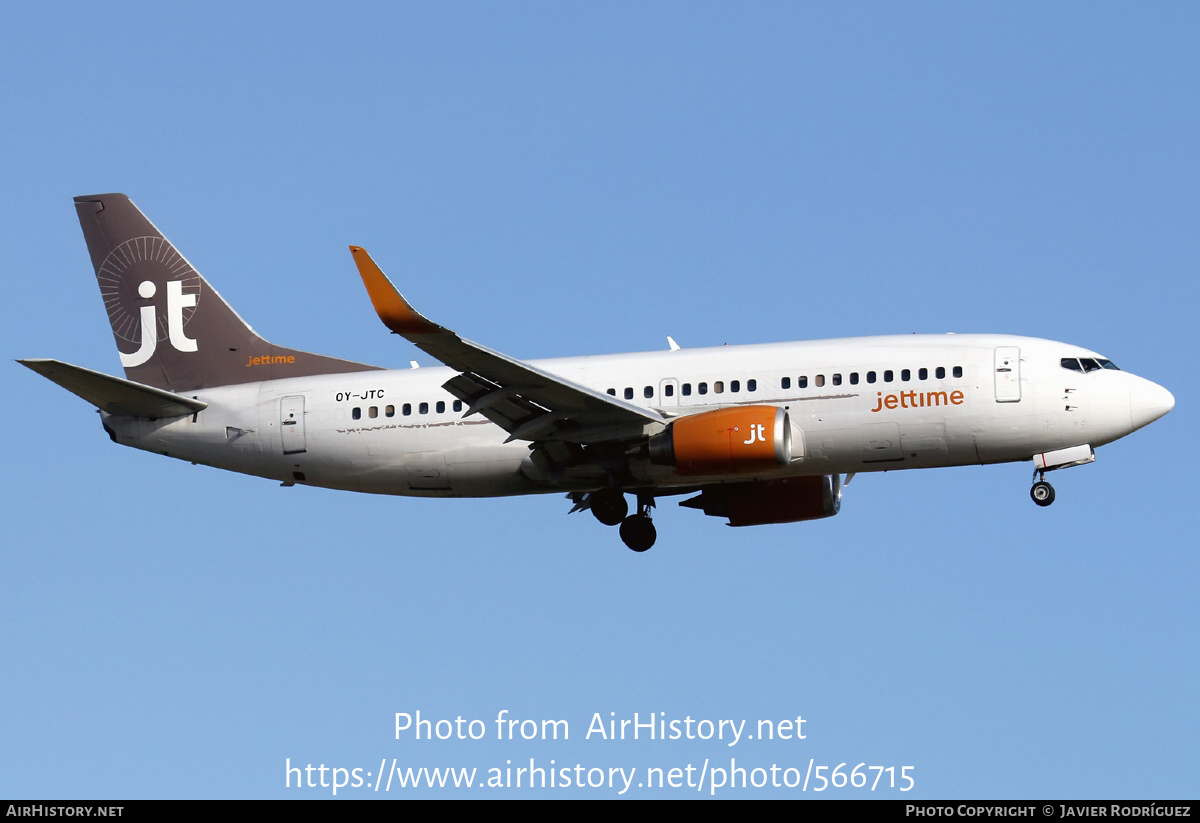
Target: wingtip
390,305
36,363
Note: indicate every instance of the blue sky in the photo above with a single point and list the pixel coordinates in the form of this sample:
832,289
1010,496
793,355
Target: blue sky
554,179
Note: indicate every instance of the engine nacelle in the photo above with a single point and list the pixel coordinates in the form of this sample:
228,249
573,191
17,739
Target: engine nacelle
772,501
736,440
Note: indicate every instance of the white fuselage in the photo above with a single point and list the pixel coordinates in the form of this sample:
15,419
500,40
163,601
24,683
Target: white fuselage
855,405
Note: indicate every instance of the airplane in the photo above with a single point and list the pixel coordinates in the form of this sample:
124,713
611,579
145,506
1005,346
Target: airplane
756,434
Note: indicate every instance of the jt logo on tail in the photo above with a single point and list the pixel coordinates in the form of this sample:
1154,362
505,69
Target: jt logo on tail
156,267
176,302
172,329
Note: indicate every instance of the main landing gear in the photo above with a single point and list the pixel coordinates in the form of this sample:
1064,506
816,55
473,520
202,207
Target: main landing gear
610,508
637,530
1042,492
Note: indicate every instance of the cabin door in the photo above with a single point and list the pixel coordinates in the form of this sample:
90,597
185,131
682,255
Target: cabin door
1008,374
291,424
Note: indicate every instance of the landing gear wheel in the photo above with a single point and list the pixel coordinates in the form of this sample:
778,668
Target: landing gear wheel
638,532
609,506
1042,493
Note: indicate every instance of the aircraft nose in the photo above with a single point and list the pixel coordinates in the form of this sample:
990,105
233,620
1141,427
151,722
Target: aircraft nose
1148,402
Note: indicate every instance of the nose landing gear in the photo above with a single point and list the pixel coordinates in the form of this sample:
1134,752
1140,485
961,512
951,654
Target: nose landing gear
1042,492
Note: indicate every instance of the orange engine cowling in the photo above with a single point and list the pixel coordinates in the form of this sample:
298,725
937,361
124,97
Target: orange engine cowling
771,501
725,441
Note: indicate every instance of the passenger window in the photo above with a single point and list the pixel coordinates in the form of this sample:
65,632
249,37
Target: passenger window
648,392
888,376
613,392
751,385
906,375
457,405
853,378
423,408
958,371
819,380
687,389
802,382
628,392
719,387
870,377
406,409
669,390
356,413
837,380
941,373
701,388
441,406
785,383
373,412
923,374
389,411
735,385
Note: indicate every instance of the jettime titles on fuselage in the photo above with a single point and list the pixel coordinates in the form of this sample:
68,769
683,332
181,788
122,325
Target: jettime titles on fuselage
917,399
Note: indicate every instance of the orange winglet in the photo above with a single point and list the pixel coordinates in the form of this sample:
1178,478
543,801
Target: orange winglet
392,308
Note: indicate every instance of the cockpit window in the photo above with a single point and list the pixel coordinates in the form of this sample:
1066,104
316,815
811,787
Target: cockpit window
1087,364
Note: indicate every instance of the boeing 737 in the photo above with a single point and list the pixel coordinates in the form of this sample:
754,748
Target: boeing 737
755,433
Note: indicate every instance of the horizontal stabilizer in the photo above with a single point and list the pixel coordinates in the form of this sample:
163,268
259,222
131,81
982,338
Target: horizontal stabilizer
114,394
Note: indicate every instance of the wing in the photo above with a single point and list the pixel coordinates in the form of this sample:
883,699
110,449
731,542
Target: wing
527,402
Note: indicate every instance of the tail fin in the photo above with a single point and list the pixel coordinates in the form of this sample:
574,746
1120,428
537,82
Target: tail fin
172,329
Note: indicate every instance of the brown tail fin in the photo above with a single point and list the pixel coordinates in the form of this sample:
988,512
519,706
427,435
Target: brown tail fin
171,327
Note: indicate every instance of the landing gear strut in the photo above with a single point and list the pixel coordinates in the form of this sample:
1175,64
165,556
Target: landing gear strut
1042,492
637,530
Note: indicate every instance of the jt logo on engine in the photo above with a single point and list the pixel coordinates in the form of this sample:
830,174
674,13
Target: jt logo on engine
757,434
